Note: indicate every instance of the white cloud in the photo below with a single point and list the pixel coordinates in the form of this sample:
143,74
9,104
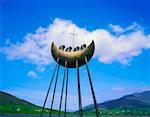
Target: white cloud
118,89
32,74
116,28
119,30
35,48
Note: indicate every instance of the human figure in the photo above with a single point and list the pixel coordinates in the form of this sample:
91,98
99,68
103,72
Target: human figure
77,48
62,47
83,46
69,49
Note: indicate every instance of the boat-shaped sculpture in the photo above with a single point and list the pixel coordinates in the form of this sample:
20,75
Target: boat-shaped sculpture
72,56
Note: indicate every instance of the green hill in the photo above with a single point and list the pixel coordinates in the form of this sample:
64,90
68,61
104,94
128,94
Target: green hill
133,101
12,104
134,104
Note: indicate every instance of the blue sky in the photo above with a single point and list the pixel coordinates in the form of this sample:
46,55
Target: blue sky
113,24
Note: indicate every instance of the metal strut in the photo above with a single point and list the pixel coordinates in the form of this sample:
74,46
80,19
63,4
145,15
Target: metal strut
79,90
54,92
49,89
91,85
66,93
62,90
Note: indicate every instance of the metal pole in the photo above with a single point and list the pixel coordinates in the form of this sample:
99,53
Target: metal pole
62,89
79,90
66,93
54,91
91,85
49,89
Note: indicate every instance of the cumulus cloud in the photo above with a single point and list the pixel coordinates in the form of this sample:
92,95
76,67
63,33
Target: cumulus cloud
32,74
35,47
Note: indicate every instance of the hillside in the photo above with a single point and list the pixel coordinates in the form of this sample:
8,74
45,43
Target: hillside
134,104
12,104
133,101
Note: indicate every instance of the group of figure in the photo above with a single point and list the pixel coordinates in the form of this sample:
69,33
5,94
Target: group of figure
69,49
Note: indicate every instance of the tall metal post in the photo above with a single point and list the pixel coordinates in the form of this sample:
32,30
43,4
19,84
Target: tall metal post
54,91
49,89
66,93
79,90
91,85
62,90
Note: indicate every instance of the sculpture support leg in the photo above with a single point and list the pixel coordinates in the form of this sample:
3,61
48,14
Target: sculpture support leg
49,89
62,89
91,85
79,90
54,91
66,93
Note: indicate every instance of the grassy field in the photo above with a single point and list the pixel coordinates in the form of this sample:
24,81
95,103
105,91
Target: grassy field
122,112
10,105
56,115
35,111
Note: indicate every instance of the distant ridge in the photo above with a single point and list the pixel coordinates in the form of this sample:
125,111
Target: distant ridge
12,104
133,101
136,101
8,99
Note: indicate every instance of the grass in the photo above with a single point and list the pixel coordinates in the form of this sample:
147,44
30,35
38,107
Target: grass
121,112
19,109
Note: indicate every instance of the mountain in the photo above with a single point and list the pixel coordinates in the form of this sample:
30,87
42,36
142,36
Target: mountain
133,101
12,104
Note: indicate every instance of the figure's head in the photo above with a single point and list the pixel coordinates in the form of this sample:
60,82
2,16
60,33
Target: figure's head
83,46
62,47
69,49
77,48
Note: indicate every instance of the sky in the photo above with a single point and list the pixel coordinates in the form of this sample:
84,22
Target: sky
119,28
